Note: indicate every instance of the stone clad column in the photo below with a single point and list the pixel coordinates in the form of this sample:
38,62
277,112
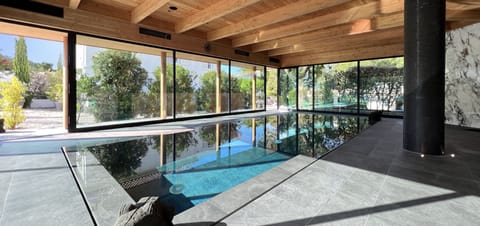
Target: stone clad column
423,128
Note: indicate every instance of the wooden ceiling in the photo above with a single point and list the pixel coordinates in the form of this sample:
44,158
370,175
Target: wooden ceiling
297,32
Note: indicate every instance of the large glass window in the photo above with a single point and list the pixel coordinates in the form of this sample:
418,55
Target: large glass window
272,83
336,87
381,85
118,81
201,85
245,94
31,78
305,88
287,133
260,88
288,88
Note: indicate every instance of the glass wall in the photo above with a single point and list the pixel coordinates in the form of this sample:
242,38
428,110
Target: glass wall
306,143
197,80
31,78
260,88
336,87
287,90
305,88
287,133
381,85
247,86
272,82
121,82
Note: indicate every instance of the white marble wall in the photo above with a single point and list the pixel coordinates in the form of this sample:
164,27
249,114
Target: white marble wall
462,77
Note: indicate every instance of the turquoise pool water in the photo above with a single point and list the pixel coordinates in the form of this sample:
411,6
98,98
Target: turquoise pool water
185,169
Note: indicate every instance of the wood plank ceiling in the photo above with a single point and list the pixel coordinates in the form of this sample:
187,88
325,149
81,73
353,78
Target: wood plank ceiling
298,32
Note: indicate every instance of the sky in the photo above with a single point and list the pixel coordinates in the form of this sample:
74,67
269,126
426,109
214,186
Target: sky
38,50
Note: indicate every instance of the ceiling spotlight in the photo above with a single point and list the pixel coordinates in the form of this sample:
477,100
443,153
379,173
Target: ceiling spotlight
452,155
422,155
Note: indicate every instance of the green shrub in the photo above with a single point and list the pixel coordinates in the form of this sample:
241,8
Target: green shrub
54,88
12,95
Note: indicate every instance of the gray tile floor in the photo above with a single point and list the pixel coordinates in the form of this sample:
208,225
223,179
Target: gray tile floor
368,181
373,181
37,189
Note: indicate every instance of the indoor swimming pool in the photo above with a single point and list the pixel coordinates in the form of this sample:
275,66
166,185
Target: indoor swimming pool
187,168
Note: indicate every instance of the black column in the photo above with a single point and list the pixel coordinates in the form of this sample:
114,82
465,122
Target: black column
423,128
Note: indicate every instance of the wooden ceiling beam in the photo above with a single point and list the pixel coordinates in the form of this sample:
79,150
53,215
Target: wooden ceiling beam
464,4
467,15
388,21
353,41
73,4
359,26
32,32
146,8
109,27
452,25
315,57
391,6
332,18
335,31
283,13
453,5
212,12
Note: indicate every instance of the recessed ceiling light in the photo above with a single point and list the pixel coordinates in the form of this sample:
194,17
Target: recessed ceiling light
173,8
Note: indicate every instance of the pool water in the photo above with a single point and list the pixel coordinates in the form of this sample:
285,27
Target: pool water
187,168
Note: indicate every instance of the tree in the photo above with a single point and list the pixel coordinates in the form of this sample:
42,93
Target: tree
20,61
207,92
22,68
118,79
382,85
228,130
39,84
121,158
44,66
184,89
55,83
12,94
5,63
272,78
179,142
85,90
287,87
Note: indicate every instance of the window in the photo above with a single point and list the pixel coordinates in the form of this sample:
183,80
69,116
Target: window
305,88
272,78
247,81
336,87
288,88
121,82
201,88
381,85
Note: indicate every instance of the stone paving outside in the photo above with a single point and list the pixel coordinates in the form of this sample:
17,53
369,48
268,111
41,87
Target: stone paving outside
38,122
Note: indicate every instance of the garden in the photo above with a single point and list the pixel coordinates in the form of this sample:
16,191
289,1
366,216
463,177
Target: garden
26,86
